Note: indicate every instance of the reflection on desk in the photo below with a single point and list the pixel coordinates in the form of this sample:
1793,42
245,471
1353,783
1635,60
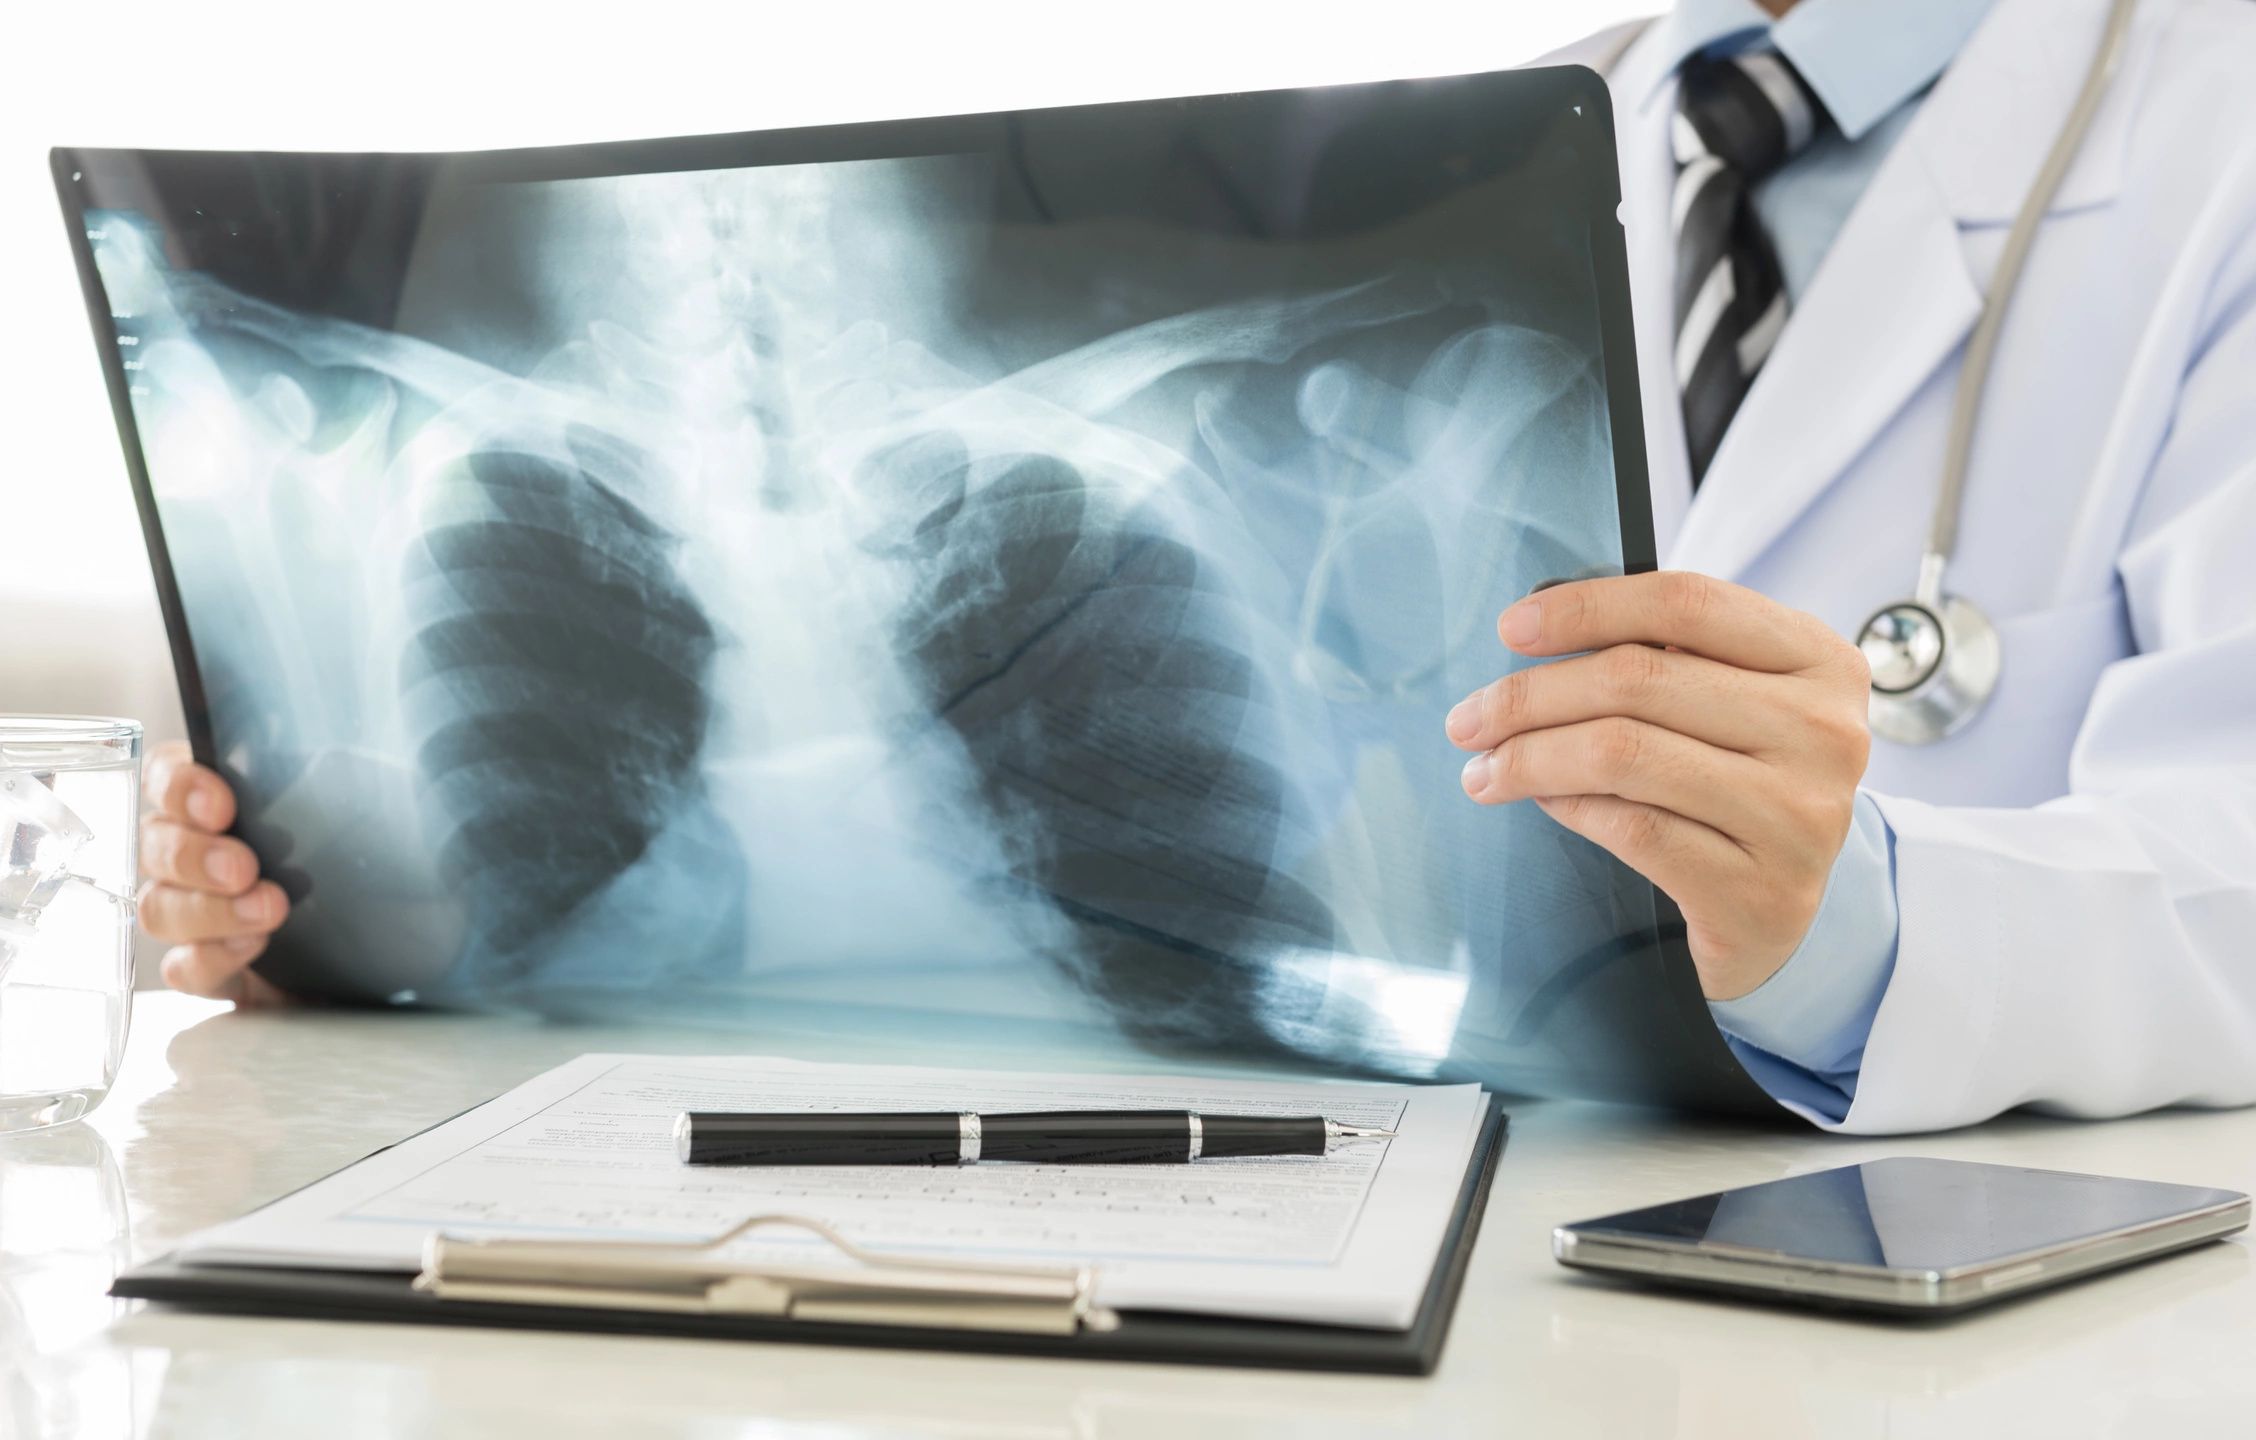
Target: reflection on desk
217,1112
64,1232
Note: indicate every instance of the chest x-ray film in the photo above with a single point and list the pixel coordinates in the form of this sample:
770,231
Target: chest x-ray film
999,576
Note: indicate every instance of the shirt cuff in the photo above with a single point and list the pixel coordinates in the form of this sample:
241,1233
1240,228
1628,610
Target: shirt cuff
1808,1022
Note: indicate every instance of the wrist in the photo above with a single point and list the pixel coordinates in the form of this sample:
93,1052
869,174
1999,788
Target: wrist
1816,1008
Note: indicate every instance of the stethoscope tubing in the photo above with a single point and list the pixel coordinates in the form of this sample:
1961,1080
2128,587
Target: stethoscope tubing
1981,350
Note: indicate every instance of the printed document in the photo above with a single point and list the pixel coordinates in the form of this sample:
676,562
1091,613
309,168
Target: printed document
586,1152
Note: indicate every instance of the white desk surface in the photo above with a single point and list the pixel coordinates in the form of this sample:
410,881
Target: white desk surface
216,1113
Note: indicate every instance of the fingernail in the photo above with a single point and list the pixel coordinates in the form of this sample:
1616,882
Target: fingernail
1476,774
1465,719
256,908
203,808
1522,623
226,867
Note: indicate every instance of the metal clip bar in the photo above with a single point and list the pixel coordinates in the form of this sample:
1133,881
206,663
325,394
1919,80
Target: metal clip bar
883,1290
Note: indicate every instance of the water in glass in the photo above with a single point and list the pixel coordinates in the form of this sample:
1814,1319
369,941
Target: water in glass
69,809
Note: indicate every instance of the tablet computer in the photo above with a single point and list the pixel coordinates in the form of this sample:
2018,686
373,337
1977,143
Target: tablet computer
1904,1235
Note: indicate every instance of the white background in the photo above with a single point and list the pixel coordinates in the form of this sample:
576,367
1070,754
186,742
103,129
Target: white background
78,621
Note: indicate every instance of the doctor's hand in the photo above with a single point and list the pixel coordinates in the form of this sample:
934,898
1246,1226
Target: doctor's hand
1723,767
204,895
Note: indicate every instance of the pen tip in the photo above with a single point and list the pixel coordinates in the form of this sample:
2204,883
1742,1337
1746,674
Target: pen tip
1359,1132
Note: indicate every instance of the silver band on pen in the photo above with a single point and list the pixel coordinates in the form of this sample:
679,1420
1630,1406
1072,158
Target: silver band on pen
1198,1136
967,1138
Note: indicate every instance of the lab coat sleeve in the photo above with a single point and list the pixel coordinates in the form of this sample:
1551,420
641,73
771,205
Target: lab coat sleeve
2096,954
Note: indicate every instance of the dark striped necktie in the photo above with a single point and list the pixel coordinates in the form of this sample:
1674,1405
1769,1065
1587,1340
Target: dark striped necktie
1738,118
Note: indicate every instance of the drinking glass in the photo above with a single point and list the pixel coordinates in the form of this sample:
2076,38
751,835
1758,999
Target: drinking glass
69,809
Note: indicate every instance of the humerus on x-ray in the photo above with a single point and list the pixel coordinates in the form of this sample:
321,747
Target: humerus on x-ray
1011,568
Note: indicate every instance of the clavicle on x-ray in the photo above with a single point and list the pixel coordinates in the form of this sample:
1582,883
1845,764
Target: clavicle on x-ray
998,577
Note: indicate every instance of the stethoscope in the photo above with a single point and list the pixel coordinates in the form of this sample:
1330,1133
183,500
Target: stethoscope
1935,657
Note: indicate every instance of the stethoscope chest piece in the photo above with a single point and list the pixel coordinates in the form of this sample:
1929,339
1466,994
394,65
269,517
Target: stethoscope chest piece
1933,667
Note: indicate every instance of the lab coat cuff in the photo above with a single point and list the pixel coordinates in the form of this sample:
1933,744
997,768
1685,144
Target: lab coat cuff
1816,1012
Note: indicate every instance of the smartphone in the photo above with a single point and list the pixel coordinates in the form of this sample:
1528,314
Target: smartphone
1903,1234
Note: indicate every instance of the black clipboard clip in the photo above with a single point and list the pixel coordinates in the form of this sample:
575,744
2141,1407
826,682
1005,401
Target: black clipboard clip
697,1279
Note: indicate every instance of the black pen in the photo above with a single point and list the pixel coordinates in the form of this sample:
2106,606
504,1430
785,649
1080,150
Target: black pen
1050,1137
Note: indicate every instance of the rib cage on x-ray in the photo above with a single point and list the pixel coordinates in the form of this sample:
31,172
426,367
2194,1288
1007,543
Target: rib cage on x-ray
759,627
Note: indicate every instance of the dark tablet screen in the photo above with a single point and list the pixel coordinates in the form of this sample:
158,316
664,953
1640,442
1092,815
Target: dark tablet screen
1914,1213
1011,566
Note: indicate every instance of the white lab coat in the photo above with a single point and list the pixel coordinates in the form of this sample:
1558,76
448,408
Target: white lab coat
2077,869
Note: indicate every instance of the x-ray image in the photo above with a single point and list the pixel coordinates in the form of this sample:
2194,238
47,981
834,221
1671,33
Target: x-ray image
1002,574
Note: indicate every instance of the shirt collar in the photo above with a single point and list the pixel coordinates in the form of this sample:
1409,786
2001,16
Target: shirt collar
1862,57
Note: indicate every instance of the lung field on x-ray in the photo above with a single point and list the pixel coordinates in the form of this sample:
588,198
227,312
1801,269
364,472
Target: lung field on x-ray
560,670
1111,715
793,581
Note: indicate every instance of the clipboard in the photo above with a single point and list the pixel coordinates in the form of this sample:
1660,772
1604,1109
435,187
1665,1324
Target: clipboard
630,1289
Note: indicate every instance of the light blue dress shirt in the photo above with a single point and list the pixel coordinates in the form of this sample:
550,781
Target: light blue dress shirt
1801,1034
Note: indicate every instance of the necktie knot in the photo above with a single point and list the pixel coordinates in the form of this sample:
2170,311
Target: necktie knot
1752,111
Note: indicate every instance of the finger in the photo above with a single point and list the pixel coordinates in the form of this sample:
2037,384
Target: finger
1708,617
1719,704
183,916
176,854
1631,760
1682,857
180,789
259,992
214,969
